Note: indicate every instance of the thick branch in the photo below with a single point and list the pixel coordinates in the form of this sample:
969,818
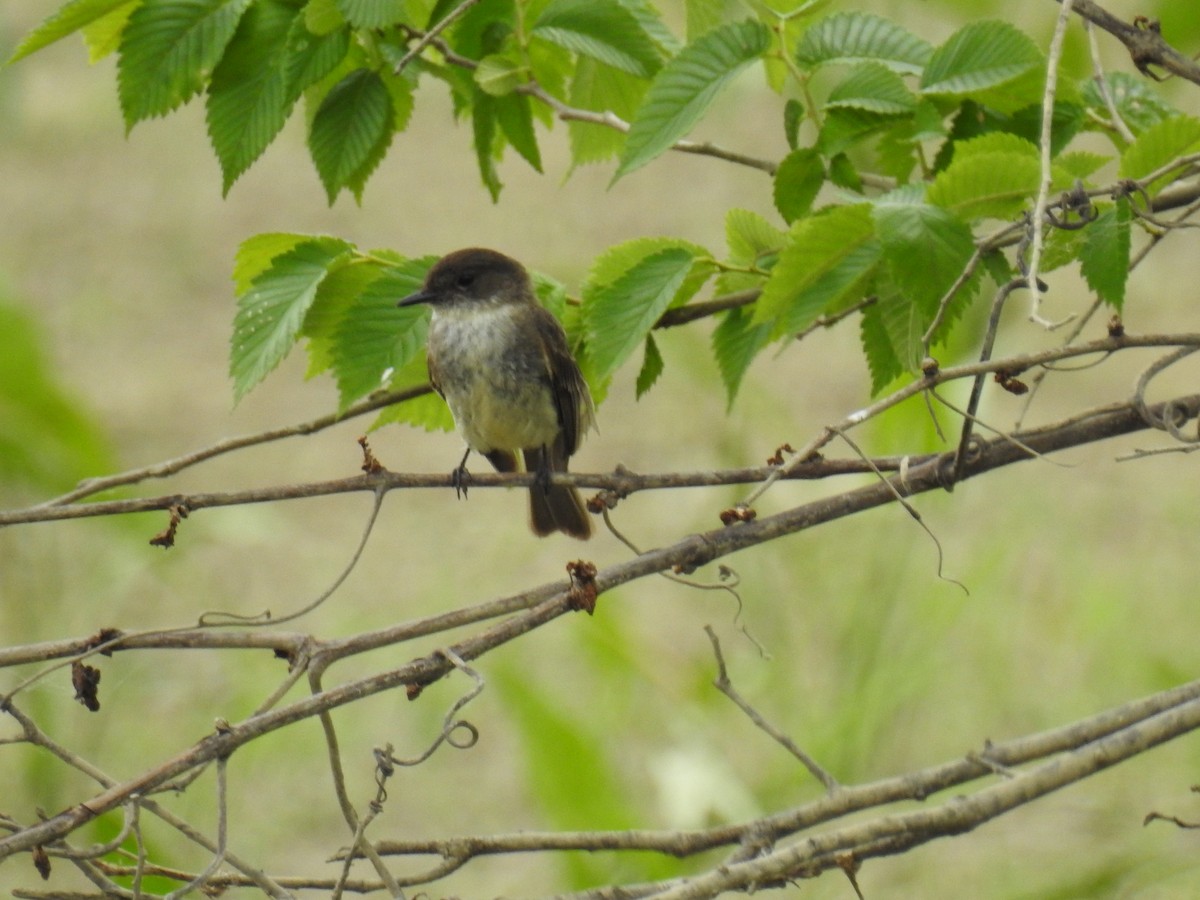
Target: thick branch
1142,39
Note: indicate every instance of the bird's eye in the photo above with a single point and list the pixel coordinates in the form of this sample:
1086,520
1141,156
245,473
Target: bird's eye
465,280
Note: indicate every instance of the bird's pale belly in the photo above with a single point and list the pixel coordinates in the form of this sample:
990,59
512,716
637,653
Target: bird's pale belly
496,387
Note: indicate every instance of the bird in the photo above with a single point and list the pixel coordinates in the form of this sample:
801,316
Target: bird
502,363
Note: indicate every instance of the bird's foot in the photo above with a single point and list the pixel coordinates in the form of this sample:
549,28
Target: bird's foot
461,479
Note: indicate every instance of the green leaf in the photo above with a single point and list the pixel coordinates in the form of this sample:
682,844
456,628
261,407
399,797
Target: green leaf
1158,145
618,259
498,74
994,185
1136,101
652,367
601,29
1082,163
598,87
735,342
376,338
845,128
247,100
620,314
516,121
926,249
793,117
168,49
323,17
103,35
337,291
312,56
753,243
980,56
827,261
483,124
797,181
1104,257
882,362
905,323
270,313
372,13
872,87
750,237
256,254
428,411
350,131
854,37
67,20
686,86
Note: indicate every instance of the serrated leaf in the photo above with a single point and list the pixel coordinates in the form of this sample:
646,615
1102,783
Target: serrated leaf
337,291
995,142
854,37
67,20
620,314
270,313
926,249
376,338
103,35
1158,145
872,87
685,87
986,185
516,121
844,128
735,342
619,258
749,236
797,181
247,100
753,243
168,49
255,255
312,56
601,29
827,260
1081,163
882,361
1137,103
351,128
497,74
428,411
905,323
652,367
483,128
598,87
1104,257
980,56
372,13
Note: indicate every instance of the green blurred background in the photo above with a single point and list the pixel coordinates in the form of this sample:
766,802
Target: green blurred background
115,312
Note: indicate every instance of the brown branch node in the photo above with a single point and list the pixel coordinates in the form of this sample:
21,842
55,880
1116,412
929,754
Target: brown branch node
583,592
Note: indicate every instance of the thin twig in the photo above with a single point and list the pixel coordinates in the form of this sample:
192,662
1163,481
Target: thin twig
725,686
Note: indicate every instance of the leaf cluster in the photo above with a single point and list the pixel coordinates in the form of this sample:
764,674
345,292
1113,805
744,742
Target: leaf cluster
915,149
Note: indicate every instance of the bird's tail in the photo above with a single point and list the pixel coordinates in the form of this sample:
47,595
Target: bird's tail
555,507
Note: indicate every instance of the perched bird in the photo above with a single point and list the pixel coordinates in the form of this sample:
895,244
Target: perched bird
502,363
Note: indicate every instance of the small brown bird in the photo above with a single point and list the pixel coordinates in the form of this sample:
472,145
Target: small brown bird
502,363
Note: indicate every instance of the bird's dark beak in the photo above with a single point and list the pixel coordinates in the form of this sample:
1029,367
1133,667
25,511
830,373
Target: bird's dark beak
418,297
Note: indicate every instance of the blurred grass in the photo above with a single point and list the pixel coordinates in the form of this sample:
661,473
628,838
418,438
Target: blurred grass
1080,578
